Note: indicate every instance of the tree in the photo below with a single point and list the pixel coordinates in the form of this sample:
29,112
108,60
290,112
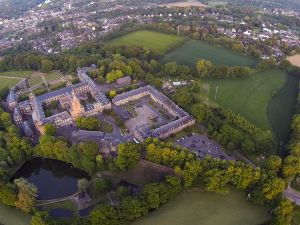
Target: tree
27,195
47,65
183,97
41,218
291,166
272,187
8,194
101,185
283,213
273,162
88,123
104,215
82,184
170,68
112,93
130,208
128,156
204,68
50,129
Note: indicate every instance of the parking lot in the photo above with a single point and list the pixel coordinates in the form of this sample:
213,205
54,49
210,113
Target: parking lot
203,146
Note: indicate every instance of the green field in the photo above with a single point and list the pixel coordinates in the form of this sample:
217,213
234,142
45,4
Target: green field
12,216
250,97
281,109
190,52
196,207
8,82
20,74
156,41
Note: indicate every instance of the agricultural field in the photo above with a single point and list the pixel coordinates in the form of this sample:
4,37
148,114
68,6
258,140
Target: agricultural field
156,41
250,97
13,216
192,51
198,207
214,3
191,3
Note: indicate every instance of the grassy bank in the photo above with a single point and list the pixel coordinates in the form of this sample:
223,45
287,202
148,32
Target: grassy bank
205,208
190,52
281,109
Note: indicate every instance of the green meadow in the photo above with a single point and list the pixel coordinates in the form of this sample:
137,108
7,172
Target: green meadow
192,51
250,97
158,42
197,207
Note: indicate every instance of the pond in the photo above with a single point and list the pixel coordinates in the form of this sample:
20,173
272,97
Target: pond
53,178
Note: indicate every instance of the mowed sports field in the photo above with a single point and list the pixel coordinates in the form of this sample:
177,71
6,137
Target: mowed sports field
192,51
197,207
250,97
156,41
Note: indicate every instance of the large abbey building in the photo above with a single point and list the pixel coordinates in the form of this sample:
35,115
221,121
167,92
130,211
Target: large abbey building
69,98
85,99
183,119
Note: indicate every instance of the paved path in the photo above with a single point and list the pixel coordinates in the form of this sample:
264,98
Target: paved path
45,81
292,195
10,77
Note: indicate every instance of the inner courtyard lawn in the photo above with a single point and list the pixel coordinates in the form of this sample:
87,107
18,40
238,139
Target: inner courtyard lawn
192,51
197,207
250,97
156,41
12,216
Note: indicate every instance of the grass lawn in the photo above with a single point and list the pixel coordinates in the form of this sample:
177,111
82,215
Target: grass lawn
12,216
146,172
281,109
296,220
8,82
67,204
52,75
21,73
156,41
35,79
196,207
190,52
250,97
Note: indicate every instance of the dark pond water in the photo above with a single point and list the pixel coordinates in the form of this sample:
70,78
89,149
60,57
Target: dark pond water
53,178
85,212
61,213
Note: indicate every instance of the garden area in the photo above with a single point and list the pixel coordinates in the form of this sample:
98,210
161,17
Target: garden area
158,42
198,207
